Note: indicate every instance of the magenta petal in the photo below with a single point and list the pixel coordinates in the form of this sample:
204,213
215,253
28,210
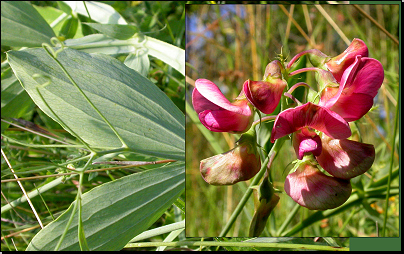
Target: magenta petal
225,121
337,65
345,158
216,113
353,107
366,78
306,141
313,116
310,188
211,92
264,95
200,103
359,85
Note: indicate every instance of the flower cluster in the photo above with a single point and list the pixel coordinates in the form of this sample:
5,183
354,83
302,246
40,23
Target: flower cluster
329,155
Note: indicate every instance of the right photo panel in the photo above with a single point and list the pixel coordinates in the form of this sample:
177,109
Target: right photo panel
292,121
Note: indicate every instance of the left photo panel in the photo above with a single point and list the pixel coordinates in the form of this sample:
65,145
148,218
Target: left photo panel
92,125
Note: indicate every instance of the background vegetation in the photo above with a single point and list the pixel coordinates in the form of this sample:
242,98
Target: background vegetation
229,44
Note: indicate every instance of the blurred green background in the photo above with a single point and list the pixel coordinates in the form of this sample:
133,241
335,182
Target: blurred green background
229,44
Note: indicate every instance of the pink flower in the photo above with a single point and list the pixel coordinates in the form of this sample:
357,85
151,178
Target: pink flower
338,64
359,84
239,164
265,95
336,154
323,133
312,116
216,113
311,188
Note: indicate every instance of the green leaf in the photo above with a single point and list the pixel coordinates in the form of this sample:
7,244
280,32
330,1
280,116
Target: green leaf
170,54
15,102
69,28
23,26
100,12
139,62
115,212
120,32
145,118
64,7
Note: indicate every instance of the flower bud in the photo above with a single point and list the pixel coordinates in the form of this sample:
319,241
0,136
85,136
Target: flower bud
267,202
273,70
260,217
265,95
315,56
239,164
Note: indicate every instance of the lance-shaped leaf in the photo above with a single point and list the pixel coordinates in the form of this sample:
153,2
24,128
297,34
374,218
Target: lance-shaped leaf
146,119
100,12
15,101
120,32
115,212
22,25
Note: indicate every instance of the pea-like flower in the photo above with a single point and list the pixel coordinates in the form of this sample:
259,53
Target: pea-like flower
350,94
311,116
345,158
265,95
338,64
322,133
239,164
359,84
218,114
311,188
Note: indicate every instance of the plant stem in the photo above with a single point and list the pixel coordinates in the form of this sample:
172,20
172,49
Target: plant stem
159,231
238,244
268,161
391,165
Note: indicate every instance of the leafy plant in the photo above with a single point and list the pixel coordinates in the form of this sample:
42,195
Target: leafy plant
109,85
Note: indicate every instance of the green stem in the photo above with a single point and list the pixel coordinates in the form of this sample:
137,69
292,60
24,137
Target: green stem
67,226
76,204
159,231
290,217
271,156
35,192
391,164
36,145
239,244
81,235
